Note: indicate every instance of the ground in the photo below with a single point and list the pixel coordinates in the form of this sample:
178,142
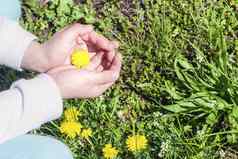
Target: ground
178,86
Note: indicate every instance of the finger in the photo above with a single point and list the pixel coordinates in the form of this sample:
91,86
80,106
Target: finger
95,61
116,44
81,44
92,54
106,63
111,55
43,2
112,74
116,63
92,47
100,68
99,41
77,29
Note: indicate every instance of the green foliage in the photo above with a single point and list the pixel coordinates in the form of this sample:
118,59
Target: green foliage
46,20
209,86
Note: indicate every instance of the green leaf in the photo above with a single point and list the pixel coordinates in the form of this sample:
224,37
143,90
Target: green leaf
211,119
235,112
172,90
232,138
175,108
184,63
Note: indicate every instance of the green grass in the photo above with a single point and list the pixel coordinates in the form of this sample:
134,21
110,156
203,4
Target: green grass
179,81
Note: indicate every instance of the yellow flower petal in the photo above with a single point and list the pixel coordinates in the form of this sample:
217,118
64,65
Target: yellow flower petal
109,152
80,58
86,133
71,114
136,143
70,128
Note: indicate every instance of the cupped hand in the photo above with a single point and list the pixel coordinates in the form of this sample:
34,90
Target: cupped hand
57,51
59,48
62,44
88,82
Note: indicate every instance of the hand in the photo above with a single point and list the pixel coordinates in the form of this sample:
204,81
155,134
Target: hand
97,43
89,82
43,1
58,49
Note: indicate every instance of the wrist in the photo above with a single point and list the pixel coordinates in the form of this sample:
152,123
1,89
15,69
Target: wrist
54,77
35,58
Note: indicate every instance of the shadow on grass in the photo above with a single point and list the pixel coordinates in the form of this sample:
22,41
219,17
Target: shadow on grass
8,76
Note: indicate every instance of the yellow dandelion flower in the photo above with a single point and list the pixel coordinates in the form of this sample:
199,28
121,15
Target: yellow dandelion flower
80,58
136,143
109,152
86,133
70,128
71,114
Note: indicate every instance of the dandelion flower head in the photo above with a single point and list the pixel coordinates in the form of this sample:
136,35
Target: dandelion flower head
70,128
136,143
71,114
109,152
80,58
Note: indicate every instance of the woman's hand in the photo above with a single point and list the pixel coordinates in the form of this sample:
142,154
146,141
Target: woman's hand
88,82
56,51
43,2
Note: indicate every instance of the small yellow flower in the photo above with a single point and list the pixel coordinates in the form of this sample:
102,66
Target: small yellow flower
80,58
70,128
86,133
136,143
109,152
71,114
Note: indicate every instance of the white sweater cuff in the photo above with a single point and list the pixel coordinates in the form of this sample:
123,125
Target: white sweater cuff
15,40
42,101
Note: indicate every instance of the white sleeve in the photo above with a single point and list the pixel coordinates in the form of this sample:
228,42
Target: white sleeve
14,41
27,105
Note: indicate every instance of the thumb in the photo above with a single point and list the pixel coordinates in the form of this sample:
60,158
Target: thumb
111,75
